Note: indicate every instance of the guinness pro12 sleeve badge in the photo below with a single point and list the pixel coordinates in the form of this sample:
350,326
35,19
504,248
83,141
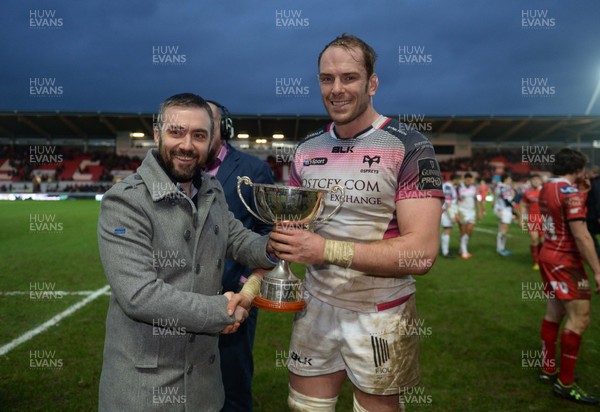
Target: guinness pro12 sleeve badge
429,175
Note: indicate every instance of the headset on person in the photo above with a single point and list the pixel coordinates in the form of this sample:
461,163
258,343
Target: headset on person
226,124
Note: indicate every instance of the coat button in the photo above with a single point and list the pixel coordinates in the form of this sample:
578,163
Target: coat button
192,337
216,229
197,268
219,263
211,360
187,234
190,368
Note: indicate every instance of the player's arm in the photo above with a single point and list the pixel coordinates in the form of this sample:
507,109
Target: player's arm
418,222
250,290
524,207
585,245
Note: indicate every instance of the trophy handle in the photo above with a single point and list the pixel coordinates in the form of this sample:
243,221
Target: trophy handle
334,189
246,180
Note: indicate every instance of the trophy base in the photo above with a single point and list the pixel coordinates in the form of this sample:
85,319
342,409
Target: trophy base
263,303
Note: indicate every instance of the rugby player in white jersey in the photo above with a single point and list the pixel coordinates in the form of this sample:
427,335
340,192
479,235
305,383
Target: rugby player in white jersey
361,312
504,195
469,210
449,213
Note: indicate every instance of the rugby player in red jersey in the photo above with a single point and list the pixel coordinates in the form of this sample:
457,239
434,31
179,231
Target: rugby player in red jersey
567,242
531,216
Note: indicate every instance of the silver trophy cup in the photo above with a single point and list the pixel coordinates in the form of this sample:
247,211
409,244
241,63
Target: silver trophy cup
280,289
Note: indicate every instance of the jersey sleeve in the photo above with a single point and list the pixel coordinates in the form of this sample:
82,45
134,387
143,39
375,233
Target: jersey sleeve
419,174
574,206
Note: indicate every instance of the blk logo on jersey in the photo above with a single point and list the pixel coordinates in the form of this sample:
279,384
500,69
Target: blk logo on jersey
342,149
370,160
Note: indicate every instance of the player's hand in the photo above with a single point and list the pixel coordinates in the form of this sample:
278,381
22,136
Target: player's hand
236,300
297,245
241,315
239,312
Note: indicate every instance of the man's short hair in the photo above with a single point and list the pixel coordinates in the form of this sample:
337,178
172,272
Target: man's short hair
468,175
505,176
568,161
454,176
185,100
348,42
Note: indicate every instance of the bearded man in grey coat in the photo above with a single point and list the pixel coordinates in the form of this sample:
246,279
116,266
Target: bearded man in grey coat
163,235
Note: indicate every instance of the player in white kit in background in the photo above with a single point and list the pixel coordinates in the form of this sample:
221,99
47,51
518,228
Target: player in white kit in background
504,195
469,210
449,213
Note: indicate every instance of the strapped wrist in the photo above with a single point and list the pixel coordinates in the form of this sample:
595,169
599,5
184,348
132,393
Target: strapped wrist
338,252
251,288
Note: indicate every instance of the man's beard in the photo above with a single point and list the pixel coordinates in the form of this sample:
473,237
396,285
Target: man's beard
184,174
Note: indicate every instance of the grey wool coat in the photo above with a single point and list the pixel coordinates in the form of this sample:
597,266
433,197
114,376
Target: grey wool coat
163,256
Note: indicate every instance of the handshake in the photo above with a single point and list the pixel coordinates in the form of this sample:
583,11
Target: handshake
239,303
238,307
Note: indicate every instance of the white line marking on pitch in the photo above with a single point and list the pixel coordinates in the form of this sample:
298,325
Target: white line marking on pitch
53,292
48,324
492,232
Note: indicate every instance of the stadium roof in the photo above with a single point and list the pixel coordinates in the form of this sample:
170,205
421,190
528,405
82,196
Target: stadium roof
21,127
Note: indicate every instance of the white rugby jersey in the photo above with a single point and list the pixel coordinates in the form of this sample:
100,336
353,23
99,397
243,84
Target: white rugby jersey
450,196
381,165
503,196
467,197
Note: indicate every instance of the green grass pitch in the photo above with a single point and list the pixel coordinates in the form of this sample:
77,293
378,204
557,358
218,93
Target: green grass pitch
479,334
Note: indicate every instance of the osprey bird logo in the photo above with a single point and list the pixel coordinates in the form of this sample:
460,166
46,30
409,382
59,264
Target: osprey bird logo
370,160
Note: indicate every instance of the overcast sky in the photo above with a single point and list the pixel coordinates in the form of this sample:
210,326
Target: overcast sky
436,57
